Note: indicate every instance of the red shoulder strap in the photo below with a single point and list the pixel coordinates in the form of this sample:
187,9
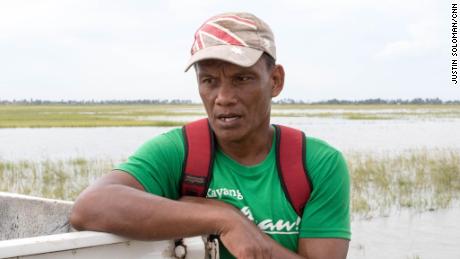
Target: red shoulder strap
290,160
199,155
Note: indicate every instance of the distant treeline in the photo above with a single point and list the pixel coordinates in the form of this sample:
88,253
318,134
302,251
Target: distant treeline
281,101
372,101
95,102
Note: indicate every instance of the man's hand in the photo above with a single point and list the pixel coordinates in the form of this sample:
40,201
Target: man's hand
239,235
244,240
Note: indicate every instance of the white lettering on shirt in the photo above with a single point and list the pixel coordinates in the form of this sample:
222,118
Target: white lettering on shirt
219,193
269,227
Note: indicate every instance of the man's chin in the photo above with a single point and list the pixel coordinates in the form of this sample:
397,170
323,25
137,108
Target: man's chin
228,123
228,135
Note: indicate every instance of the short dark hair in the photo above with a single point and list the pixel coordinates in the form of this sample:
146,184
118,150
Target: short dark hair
269,60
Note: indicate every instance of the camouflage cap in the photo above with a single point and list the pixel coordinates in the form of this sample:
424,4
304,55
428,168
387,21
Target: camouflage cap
238,38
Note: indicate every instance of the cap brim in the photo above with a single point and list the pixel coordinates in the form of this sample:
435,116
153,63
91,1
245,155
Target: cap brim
238,55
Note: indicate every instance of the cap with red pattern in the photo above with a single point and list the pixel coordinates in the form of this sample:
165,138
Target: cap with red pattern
238,38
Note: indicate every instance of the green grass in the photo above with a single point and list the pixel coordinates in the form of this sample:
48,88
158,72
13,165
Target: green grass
40,116
419,180
19,116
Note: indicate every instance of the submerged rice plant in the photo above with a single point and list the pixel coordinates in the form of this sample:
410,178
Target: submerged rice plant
60,179
416,179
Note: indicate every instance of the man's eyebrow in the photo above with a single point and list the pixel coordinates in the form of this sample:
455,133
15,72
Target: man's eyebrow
245,71
204,74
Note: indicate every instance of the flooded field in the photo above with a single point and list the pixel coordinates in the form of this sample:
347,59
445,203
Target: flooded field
404,163
44,116
408,235
376,136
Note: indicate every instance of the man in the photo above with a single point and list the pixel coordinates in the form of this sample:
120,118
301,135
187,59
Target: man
234,59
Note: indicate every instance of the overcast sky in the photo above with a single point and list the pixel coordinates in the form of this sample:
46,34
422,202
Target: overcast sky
355,49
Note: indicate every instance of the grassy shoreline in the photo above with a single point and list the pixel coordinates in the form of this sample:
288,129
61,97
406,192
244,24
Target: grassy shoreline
419,180
59,115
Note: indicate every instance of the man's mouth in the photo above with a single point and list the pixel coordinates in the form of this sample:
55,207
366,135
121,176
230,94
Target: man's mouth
228,117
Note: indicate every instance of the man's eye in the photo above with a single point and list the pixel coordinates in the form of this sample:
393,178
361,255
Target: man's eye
244,78
207,80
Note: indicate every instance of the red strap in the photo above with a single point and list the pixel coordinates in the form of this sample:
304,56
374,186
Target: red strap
198,158
291,166
290,156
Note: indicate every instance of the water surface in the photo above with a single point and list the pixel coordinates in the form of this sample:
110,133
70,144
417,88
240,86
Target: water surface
408,235
120,142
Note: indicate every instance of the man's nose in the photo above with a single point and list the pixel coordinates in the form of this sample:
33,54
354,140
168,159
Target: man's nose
226,94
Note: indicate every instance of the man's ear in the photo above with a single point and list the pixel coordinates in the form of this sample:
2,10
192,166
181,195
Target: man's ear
277,80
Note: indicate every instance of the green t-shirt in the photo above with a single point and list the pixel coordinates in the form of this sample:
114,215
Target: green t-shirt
256,190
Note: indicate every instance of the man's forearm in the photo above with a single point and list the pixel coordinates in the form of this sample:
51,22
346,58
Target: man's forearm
133,213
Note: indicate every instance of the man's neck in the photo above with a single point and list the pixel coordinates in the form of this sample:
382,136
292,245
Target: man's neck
252,150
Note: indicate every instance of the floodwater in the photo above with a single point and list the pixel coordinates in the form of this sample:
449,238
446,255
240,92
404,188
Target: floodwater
116,143
402,235
61,143
428,235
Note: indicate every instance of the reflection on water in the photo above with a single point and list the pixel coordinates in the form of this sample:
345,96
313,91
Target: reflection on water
429,235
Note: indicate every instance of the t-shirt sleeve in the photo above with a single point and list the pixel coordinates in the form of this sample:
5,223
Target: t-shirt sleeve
157,164
327,213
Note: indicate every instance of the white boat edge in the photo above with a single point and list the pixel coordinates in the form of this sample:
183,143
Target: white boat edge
32,198
57,242
78,244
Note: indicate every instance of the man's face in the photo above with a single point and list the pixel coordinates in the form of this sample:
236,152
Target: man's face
237,99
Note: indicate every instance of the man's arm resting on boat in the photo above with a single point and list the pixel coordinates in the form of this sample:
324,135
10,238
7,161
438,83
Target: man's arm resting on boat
117,203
